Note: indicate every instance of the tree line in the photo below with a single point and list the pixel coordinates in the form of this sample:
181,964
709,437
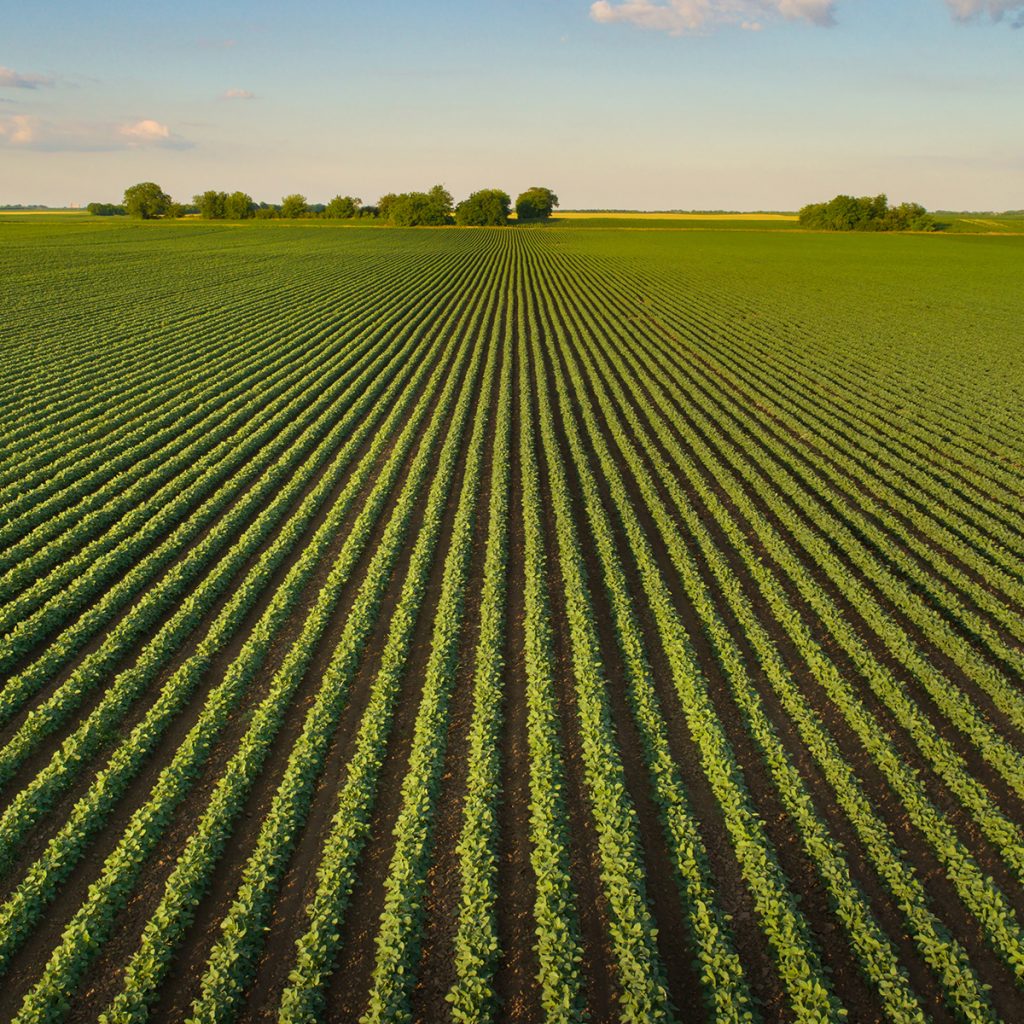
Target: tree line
486,207
866,213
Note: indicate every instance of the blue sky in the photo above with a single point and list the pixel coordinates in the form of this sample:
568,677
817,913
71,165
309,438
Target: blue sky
650,104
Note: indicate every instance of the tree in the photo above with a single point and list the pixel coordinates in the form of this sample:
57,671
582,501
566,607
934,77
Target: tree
175,210
867,213
294,206
146,200
536,204
105,210
441,202
409,209
384,205
489,206
342,208
909,217
413,209
238,206
211,205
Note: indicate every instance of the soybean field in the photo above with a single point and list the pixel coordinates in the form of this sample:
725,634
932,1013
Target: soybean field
531,624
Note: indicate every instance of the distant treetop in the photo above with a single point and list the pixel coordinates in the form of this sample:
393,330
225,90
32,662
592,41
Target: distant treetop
294,206
214,205
343,208
415,209
536,204
485,207
106,210
488,207
146,200
868,213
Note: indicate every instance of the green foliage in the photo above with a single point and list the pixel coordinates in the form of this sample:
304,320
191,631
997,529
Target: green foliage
488,207
317,948
536,203
211,205
342,208
239,206
539,533
106,210
632,931
146,200
234,957
294,206
415,209
385,204
868,213
398,938
559,949
123,865
476,941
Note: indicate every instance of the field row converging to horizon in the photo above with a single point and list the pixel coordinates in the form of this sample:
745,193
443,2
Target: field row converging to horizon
510,625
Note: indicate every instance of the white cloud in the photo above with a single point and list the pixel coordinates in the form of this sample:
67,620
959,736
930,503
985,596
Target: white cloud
686,17
995,9
146,131
18,129
11,79
238,94
27,132
692,17
817,11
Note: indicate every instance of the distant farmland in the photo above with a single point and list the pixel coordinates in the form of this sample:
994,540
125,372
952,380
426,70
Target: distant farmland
519,624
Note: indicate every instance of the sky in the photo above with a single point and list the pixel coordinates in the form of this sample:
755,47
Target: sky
614,104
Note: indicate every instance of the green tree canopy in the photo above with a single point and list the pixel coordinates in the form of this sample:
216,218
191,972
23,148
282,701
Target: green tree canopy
536,204
211,204
146,200
294,206
412,209
238,206
909,217
342,208
866,213
441,199
489,206
105,209
384,205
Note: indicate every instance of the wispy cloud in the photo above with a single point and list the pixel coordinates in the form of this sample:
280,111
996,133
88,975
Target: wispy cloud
238,94
145,131
697,17
17,129
691,17
964,10
11,79
25,131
